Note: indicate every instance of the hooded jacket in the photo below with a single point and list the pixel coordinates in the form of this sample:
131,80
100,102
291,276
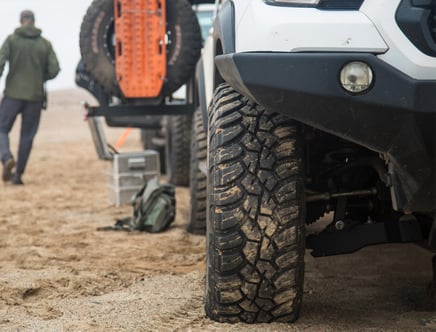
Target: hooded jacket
32,61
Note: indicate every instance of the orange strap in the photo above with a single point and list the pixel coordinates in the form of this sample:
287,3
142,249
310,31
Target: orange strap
140,48
123,138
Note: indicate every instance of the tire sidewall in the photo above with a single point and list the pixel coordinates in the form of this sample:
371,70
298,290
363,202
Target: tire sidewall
96,31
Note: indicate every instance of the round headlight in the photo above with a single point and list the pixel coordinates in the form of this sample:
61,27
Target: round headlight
356,77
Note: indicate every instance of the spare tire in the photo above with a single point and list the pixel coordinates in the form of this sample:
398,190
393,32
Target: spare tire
97,44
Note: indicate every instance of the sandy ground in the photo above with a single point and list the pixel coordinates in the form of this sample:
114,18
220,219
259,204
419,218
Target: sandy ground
58,273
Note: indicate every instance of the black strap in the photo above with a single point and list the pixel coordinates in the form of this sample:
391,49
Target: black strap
120,225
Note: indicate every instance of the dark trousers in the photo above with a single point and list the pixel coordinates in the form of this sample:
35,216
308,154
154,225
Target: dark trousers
30,115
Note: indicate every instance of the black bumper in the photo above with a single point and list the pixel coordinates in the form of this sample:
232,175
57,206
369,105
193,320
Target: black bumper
397,117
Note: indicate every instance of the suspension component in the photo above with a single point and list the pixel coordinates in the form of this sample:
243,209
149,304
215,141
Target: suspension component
317,197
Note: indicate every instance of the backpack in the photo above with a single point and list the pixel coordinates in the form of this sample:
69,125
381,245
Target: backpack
154,209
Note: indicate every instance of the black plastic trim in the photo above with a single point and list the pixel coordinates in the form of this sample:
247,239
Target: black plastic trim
397,117
340,4
416,18
196,2
324,4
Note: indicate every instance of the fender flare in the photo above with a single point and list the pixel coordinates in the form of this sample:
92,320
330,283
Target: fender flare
224,29
224,42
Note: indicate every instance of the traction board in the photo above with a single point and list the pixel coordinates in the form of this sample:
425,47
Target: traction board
140,57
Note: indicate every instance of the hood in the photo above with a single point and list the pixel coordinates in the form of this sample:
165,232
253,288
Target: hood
28,32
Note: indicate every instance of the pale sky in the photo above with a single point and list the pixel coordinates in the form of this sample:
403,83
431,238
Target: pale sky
60,23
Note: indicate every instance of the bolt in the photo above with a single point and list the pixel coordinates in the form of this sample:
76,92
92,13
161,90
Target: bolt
339,225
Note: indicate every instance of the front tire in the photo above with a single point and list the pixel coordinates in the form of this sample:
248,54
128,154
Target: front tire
255,231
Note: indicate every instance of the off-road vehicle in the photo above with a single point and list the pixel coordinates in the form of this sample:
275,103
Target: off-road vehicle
135,57
320,107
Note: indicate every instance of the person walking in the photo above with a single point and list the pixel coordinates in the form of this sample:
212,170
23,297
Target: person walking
32,61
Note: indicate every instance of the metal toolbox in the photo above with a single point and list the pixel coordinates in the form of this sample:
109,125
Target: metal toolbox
145,162
129,172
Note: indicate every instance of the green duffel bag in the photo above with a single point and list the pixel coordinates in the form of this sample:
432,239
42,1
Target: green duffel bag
154,209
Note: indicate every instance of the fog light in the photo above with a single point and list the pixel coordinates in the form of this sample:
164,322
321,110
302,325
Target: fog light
356,77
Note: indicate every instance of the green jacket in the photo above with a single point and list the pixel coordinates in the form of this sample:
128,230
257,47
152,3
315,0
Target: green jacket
32,61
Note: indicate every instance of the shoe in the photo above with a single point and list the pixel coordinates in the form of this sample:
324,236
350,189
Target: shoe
16,180
7,169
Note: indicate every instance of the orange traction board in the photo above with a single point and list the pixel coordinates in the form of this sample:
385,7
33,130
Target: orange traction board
140,48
